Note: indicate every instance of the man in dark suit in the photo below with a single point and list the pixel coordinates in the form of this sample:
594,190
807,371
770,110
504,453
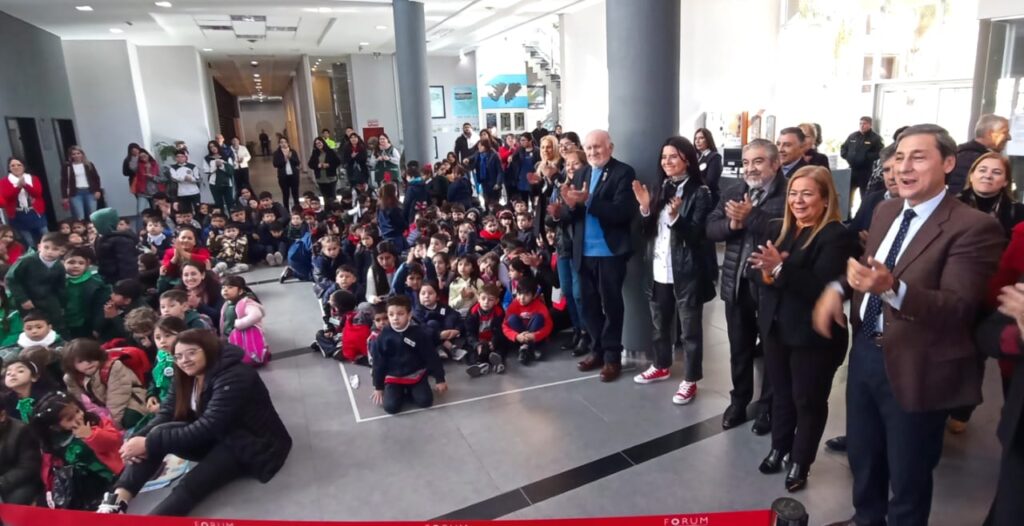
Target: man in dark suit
791,151
927,260
742,220
464,148
601,206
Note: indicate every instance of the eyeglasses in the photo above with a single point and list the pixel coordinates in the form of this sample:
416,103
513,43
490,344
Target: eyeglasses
187,355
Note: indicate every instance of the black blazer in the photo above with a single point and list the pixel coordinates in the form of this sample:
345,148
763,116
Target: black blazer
279,161
332,159
799,164
789,300
612,203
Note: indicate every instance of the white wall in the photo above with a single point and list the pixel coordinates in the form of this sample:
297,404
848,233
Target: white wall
450,72
256,116
373,93
173,80
107,115
1000,8
32,61
584,70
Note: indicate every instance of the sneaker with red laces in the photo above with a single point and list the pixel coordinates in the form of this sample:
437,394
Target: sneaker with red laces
651,375
686,393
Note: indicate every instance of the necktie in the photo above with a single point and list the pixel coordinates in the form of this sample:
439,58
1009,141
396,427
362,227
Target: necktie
874,308
755,195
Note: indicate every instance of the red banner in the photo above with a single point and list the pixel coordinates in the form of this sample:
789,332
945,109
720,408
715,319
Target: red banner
26,516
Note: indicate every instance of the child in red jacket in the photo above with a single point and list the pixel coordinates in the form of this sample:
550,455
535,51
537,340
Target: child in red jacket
527,321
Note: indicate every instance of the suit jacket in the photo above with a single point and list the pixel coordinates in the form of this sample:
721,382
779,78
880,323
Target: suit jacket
799,164
613,204
930,356
786,304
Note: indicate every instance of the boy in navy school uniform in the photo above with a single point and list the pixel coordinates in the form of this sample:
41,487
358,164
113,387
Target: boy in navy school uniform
485,339
403,358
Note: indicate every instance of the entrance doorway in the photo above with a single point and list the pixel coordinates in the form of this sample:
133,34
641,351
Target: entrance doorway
24,136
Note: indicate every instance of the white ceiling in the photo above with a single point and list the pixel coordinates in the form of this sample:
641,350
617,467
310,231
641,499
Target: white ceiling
230,33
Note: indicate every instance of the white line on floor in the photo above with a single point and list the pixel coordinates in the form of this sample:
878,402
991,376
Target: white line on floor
360,419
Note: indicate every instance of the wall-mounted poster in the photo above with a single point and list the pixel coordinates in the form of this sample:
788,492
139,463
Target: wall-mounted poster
536,96
464,103
520,119
506,122
492,121
437,102
504,92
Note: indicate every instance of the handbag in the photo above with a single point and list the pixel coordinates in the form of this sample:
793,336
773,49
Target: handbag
63,492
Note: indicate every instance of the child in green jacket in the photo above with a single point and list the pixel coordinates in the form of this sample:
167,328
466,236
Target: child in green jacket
36,280
87,292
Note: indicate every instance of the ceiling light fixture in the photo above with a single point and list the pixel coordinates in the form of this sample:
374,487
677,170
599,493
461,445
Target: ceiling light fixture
163,4
207,49
255,63
364,43
382,28
256,75
83,7
116,30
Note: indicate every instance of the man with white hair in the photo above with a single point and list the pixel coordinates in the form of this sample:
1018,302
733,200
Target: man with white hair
601,206
990,135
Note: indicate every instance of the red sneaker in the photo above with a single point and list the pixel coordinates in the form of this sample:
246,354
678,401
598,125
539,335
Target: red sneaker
651,375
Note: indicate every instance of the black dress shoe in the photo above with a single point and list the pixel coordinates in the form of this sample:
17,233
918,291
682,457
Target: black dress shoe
734,416
583,346
763,423
837,444
796,477
572,342
773,462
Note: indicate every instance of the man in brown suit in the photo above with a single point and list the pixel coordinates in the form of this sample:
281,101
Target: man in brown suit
914,296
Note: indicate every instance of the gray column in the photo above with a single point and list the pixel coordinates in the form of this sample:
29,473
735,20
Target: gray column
643,110
411,59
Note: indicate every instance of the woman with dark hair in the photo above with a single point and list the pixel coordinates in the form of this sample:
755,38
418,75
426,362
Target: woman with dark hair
460,191
673,221
286,160
709,161
131,162
186,249
489,175
22,197
220,173
386,168
79,184
391,218
574,160
203,288
324,163
792,271
354,155
219,413
146,182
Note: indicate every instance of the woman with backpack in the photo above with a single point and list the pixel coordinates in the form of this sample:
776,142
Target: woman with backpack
218,413
114,383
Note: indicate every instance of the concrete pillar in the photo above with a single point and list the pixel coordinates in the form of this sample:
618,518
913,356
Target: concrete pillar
643,110
414,97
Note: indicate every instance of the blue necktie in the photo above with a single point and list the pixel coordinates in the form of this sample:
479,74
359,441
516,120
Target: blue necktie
874,309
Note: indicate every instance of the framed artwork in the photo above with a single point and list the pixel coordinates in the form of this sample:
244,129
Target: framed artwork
492,121
506,122
520,118
435,148
536,96
437,108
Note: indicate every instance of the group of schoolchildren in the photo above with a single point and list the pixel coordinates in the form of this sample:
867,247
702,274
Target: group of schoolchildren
88,323
443,284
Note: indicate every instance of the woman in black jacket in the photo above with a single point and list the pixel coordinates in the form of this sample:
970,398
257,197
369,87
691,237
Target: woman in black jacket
354,156
489,175
324,163
286,160
673,220
79,184
709,161
988,190
811,251
217,412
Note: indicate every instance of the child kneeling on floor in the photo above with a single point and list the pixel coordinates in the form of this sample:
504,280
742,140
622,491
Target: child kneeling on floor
403,357
527,322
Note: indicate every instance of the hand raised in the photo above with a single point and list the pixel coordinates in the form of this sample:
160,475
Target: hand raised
643,196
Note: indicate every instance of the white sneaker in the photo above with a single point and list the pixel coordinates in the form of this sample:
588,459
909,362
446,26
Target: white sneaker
270,259
686,393
651,375
441,352
111,504
458,354
354,381
241,267
278,258
219,268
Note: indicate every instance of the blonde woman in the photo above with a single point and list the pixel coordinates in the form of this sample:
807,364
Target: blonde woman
79,184
794,269
811,141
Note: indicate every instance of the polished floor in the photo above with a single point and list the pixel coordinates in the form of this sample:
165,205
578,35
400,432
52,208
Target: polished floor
541,441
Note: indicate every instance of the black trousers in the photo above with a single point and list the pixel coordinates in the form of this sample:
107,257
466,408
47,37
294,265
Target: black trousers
289,184
216,467
1008,506
601,294
741,323
668,313
265,148
395,395
888,446
802,381
242,180
328,190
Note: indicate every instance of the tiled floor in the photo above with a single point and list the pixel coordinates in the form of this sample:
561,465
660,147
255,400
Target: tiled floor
494,435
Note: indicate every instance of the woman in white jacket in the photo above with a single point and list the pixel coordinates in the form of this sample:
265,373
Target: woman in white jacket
242,158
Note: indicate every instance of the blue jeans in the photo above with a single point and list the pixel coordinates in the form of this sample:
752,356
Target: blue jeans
518,324
30,226
83,203
570,284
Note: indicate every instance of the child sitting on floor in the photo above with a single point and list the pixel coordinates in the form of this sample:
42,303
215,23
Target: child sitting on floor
87,292
241,320
174,303
404,357
107,382
443,323
527,321
25,387
484,336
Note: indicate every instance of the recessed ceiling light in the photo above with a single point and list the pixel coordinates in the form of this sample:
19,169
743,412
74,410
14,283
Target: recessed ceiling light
207,49
364,43
116,30
83,7
256,75
255,63
163,4
382,27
